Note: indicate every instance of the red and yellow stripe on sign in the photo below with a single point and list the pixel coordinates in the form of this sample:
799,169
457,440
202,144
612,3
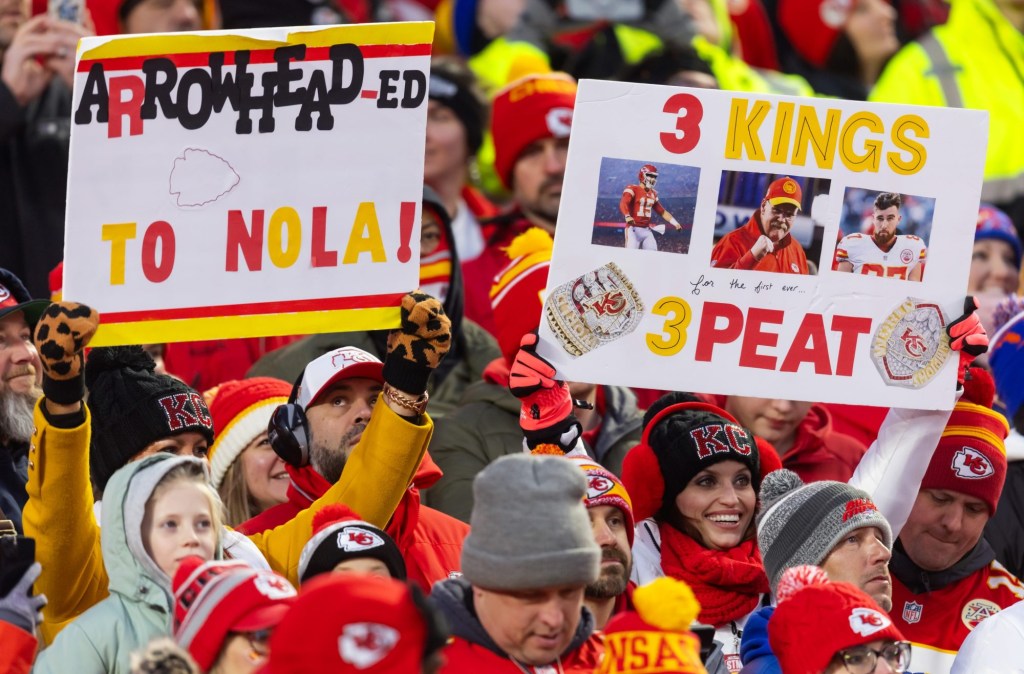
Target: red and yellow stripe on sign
374,39
341,314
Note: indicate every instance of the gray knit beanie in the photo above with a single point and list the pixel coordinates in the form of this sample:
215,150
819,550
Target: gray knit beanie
529,528
800,523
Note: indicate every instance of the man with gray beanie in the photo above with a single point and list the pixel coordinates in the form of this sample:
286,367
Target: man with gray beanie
526,562
848,529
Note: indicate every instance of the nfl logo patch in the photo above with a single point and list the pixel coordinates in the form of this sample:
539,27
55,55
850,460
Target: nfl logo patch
912,612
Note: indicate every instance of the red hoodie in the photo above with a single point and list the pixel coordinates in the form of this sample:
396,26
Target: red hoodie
819,451
430,541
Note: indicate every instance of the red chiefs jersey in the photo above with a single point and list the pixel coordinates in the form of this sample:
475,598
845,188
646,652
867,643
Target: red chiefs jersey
867,258
937,622
639,202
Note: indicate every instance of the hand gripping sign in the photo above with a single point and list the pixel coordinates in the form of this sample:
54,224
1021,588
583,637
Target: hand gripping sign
761,245
232,184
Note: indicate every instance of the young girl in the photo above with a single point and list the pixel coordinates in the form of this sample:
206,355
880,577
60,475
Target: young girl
156,512
694,479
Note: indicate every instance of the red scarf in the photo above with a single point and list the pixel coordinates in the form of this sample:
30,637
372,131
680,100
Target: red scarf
727,583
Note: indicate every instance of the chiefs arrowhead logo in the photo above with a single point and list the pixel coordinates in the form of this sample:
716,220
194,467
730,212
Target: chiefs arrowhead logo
356,539
559,121
365,644
273,586
598,485
4,293
970,464
867,621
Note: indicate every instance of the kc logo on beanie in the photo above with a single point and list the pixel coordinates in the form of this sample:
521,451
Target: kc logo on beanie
867,621
971,464
354,539
720,438
184,410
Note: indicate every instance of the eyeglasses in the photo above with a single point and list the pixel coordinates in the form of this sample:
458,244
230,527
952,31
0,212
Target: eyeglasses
863,660
258,642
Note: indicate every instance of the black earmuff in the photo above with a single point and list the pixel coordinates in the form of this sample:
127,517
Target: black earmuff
289,430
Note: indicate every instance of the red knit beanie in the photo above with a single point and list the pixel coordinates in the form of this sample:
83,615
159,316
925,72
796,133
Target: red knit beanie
971,455
812,26
528,110
517,294
604,488
816,618
656,637
241,410
350,622
212,599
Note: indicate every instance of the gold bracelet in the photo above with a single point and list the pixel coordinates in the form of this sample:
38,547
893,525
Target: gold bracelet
414,405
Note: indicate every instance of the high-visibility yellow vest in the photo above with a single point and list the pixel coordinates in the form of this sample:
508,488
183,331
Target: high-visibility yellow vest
975,60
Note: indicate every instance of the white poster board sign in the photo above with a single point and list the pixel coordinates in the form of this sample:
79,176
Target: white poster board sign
747,244
232,184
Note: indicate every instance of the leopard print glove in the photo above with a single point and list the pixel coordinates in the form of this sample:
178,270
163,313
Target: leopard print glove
62,332
419,345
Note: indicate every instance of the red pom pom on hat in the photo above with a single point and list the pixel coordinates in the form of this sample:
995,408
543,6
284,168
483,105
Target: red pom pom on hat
331,514
979,387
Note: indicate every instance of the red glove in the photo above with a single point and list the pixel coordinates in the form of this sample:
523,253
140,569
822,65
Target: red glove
967,335
546,415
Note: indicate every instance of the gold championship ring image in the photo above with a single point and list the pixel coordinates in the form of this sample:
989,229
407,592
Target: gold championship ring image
911,345
593,310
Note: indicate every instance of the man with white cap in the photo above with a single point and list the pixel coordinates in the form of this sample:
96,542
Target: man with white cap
330,407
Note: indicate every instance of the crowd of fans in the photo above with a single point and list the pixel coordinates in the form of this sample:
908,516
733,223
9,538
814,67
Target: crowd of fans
432,498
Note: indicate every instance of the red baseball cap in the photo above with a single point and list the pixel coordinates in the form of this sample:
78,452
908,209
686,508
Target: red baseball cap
784,191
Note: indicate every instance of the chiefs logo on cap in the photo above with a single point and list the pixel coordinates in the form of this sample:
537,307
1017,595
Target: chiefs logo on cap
4,293
970,464
789,187
598,485
365,644
356,539
867,621
348,355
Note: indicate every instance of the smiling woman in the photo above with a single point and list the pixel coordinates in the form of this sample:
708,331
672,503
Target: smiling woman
694,479
244,469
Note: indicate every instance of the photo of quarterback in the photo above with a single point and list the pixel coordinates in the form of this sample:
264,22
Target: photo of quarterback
884,243
644,206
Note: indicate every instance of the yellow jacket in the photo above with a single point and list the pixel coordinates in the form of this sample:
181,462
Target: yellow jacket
59,511
975,60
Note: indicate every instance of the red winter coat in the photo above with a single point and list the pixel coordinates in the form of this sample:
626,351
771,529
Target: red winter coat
819,452
478,274
430,541
465,657
860,422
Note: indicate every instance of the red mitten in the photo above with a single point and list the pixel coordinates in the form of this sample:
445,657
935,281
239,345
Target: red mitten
967,335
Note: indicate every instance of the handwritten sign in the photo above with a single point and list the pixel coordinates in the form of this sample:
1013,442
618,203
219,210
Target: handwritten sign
763,245
247,183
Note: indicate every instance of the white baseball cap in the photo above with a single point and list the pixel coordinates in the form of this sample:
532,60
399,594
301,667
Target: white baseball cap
344,363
